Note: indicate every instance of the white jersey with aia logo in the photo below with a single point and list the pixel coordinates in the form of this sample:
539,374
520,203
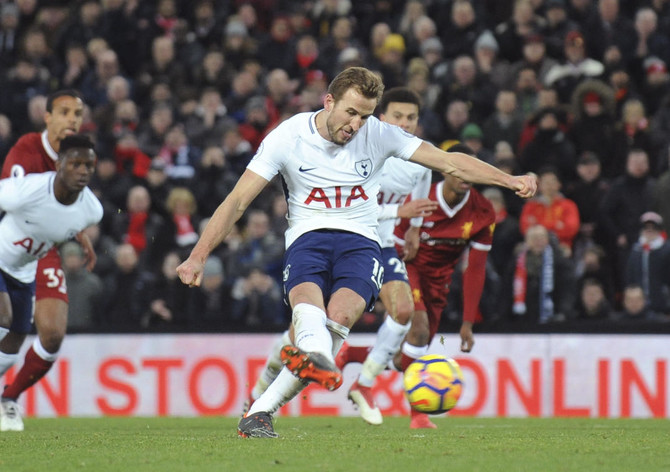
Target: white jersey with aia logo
34,221
329,185
399,179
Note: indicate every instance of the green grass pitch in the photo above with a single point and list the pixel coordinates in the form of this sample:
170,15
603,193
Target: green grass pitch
315,444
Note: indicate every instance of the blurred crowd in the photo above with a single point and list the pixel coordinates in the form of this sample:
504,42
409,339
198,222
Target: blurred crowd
179,95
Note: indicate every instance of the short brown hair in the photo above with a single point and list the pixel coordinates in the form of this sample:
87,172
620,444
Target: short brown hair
363,80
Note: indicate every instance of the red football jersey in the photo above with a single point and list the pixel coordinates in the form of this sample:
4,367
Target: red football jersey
444,237
448,231
31,154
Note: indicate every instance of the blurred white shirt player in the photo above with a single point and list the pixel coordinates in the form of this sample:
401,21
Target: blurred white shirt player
41,211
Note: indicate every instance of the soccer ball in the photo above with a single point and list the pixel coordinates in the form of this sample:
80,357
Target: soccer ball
433,384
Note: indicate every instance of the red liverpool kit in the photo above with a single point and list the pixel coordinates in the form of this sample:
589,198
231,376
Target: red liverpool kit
444,237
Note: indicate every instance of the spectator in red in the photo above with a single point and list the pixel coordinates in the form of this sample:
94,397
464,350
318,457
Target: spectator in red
129,158
552,210
256,123
141,228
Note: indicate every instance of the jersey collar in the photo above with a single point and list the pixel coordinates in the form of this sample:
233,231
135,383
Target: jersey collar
451,212
312,122
47,147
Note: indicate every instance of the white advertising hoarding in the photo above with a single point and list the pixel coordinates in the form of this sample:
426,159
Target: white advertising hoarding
210,374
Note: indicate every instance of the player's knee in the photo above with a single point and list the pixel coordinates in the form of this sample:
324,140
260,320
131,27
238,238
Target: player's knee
5,320
52,339
404,313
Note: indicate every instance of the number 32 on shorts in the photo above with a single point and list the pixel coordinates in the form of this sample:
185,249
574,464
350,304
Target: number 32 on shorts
56,278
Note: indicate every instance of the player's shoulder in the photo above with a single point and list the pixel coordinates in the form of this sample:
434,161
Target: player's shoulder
27,153
35,180
29,184
27,145
300,123
375,127
29,140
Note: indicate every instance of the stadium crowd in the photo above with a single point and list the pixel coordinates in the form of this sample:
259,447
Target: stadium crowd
179,95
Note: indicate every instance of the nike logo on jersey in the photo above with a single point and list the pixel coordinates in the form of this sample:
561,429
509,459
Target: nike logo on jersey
301,169
29,222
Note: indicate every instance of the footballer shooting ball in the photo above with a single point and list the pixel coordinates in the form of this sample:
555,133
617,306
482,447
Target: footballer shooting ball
433,384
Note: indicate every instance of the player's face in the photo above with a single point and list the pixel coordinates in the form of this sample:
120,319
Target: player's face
347,115
405,115
76,168
65,118
455,185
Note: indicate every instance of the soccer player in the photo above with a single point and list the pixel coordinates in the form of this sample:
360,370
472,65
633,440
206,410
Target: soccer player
33,153
41,211
465,220
331,162
399,106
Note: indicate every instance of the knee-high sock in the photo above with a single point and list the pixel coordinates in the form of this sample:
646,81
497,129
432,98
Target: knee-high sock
310,332
35,366
410,353
389,339
284,388
273,366
338,334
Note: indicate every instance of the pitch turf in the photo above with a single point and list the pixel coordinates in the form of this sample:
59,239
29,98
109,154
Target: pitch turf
337,444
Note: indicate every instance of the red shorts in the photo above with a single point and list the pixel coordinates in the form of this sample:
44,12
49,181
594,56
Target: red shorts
429,291
50,278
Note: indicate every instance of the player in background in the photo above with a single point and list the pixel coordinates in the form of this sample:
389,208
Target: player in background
331,162
41,211
463,224
399,106
35,153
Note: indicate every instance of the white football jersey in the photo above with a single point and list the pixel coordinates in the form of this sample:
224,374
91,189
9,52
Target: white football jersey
329,185
400,179
34,221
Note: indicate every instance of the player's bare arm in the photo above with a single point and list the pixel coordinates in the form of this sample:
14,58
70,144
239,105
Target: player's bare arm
220,224
411,246
414,208
473,170
89,251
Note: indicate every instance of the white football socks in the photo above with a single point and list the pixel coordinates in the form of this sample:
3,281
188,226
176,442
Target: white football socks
414,351
310,332
388,341
283,389
338,334
43,353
